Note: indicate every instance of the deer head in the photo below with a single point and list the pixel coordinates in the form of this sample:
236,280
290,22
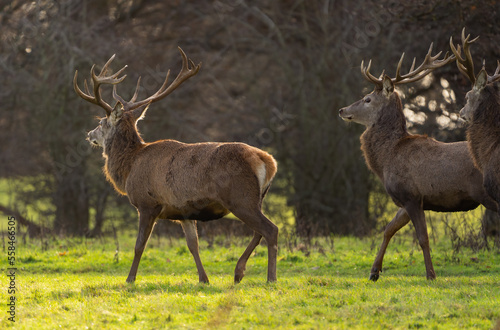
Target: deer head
465,64
123,116
367,110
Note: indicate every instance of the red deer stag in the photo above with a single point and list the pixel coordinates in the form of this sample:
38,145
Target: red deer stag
171,180
418,172
482,112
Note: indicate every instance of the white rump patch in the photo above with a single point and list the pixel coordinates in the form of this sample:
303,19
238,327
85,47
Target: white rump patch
261,174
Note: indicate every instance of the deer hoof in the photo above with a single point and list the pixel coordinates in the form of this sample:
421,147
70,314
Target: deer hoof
238,278
374,277
130,280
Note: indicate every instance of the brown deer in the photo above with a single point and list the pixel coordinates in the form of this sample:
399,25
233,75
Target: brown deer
171,180
418,172
482,112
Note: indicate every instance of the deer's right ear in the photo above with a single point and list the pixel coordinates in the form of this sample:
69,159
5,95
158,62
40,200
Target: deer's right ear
387,86
116,114
481,80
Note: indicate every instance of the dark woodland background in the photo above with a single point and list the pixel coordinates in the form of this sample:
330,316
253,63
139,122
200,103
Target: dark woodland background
274,75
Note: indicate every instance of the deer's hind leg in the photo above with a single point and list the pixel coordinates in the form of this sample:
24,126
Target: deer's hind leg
399,221
263,227
239,271
246,205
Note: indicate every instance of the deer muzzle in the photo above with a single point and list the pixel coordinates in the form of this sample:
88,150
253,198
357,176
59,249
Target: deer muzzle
344,115
462,114
91,137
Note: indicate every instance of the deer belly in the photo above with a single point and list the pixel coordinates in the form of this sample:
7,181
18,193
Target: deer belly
449,203
203,210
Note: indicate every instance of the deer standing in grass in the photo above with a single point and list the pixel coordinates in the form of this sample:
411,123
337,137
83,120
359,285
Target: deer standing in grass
171,180
418,172
482,112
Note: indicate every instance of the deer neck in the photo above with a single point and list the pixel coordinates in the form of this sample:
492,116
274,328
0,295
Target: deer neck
119,153
483,133
379,140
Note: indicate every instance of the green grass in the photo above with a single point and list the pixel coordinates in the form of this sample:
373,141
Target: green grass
80,284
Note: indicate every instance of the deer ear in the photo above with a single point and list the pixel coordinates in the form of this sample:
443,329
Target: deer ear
140,112
116,114
481,80
387,86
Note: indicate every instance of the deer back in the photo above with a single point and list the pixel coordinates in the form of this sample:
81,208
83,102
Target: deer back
177,174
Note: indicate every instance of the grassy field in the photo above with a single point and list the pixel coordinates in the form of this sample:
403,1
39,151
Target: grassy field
80,284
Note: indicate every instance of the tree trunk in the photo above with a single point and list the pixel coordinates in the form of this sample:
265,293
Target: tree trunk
491,224
72,203
100,207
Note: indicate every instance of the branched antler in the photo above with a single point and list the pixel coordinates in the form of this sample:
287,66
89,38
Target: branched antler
97,81
465,65
429,64
188,70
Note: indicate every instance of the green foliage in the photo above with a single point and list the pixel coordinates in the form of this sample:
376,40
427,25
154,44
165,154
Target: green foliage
322,284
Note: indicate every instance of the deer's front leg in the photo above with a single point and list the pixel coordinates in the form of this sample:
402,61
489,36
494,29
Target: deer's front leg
191,232
147,220
417,216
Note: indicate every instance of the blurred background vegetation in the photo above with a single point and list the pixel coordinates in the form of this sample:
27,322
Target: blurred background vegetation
274,75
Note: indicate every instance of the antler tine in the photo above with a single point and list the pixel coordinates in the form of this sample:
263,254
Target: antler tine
134,97
104,69
429,64
381,77
398,68
102,79
97,80
465,64
188,70
413,64
459,60
496,75
365,71
136,93
464,39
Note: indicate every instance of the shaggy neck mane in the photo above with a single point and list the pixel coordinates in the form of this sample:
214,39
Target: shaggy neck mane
483,133
379,140
119,153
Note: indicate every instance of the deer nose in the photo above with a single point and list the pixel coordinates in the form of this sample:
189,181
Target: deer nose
341,111
462,114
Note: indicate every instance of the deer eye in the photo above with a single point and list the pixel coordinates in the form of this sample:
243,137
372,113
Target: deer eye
368,100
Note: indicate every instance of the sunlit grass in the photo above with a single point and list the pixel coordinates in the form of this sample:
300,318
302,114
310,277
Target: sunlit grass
81,284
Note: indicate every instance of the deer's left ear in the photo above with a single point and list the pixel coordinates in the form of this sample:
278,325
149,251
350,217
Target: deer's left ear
481,80
116,114
387,86
140,112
